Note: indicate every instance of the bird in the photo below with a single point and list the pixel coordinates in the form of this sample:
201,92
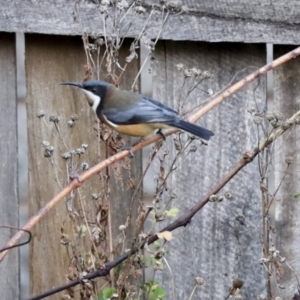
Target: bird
133,114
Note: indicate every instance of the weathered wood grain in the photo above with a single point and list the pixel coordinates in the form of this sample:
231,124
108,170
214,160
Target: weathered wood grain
223,241
9,204
230,20
287,208
51,60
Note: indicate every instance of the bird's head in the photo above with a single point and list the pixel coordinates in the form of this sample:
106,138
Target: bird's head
95,91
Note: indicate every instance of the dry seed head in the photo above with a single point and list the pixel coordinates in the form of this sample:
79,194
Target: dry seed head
100,42
159,216
80,151
199,280
275,123
206,74
270,116
237,283
179,67
122,4
132,56
289,160
188,72
41,113
228,195
184,9
282,259
220,198
74,117
263,260
250,109
196,72
66,155
172,4
210,92
85,166
54,118
95,196
272,249
122,227
159,254
140,9
213,198
48,151
257,120
103,8
70,123
45,144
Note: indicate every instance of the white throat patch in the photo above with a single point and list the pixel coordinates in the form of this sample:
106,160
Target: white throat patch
93,99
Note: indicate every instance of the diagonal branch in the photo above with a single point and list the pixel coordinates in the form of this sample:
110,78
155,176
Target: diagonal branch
104,164
184,219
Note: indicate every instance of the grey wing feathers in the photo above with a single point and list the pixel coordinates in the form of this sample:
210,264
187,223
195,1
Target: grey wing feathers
159,104
144,111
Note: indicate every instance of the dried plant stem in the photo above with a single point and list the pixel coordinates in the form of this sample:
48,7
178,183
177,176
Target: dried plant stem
193,292
111,248
184,219
104,164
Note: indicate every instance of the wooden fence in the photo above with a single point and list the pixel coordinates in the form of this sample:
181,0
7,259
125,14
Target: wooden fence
224,241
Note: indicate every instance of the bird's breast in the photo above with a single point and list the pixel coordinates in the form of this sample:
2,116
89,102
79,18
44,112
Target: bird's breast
140,130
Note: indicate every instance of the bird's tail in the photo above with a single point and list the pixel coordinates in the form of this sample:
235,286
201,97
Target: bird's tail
201,132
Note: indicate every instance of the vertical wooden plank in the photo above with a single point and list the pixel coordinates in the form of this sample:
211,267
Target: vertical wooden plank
287,207
217,245
9,205
51,60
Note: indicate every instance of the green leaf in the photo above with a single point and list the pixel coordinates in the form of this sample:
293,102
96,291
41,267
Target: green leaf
82,229
156,244
171,213
158,293
106,294
297,196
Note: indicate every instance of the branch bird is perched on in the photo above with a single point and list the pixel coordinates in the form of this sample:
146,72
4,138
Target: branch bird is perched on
133,114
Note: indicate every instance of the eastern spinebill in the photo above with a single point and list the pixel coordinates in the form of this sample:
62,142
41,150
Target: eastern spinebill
133,114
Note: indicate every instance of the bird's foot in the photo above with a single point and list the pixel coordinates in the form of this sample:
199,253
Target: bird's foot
159,131
128,146
129,149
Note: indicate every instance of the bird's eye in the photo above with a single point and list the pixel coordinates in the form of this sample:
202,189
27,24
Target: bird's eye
94,90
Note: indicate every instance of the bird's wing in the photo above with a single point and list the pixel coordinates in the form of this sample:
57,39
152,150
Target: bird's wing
146,110
159,104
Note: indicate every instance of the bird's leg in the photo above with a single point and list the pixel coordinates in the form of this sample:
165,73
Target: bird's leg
159,131
128,146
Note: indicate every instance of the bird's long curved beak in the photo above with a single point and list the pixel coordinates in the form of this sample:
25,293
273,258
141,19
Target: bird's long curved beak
77,84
